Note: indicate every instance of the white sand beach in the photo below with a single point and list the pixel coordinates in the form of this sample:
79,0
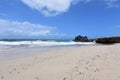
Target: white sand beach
100,62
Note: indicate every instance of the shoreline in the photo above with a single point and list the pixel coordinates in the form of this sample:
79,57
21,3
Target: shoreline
78,63
19,52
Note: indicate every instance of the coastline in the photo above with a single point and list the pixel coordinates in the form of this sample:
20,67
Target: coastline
19,48
99,62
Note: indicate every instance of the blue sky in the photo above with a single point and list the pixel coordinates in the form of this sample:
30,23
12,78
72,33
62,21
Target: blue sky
59,18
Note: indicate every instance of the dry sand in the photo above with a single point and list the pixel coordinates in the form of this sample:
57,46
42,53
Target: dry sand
100,62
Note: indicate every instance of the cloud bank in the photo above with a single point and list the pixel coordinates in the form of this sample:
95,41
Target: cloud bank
56,7
15,29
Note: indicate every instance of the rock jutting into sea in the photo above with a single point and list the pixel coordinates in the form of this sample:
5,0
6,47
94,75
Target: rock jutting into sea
80,38
108,40
103,40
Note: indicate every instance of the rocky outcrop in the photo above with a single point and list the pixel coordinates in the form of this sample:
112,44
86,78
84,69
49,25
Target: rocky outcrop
80,38
108,40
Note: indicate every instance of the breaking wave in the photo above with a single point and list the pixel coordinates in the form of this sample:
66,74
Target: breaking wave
43,43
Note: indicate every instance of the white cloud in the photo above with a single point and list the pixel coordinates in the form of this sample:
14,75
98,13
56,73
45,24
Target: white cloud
107,3
112,3
50,7
56,7
15,29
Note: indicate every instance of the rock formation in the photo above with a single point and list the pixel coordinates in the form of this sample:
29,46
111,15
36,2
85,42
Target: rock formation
80,38
108,40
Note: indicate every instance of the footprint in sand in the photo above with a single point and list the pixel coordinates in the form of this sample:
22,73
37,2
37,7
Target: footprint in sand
29,65
2,77
98,56
65,78
97,70
10,72
18,72
14,69
37,78
35,58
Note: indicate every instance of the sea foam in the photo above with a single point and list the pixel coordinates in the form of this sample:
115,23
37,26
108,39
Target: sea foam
42,43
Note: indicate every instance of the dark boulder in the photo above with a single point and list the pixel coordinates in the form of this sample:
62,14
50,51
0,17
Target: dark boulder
81,39
108,40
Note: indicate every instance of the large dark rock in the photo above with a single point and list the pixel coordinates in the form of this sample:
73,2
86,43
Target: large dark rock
81,39
108,40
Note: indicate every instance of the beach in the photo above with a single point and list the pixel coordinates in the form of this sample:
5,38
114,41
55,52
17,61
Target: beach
97,62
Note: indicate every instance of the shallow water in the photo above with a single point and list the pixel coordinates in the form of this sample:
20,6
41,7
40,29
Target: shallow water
13,49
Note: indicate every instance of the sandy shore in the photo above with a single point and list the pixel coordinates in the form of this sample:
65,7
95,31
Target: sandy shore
100,62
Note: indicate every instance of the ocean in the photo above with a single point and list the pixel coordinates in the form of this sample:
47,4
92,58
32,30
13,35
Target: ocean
12,48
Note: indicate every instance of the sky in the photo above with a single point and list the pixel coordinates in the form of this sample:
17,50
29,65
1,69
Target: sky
59,19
